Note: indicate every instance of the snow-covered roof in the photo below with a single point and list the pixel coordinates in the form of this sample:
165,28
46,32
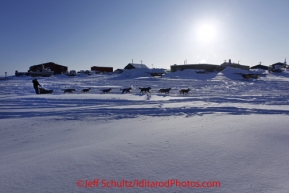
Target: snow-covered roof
279,64
139,65
158,70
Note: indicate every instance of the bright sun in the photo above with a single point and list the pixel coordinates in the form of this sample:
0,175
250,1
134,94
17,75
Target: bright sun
206,33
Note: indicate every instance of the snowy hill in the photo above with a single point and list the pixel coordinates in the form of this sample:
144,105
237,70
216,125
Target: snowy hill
228,133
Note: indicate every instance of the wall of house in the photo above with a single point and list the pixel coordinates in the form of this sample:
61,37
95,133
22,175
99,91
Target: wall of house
206,67
102,69
57,69
233,65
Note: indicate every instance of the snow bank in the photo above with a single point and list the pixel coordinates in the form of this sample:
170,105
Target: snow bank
284,73
134,73
137,73
258,71
233,73
231,70
187,74
190,74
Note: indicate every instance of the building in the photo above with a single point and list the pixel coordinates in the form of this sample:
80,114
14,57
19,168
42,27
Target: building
101,69
278,67
135,66
200,67
118,71
234,65
208,67
56,68
259,66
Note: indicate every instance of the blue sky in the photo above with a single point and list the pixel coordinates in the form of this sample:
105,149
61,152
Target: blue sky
84,33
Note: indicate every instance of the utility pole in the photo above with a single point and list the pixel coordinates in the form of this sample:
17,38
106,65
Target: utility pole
185,61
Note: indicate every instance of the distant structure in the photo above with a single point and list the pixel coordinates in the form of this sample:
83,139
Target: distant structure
234,65
157,72
260,66
278,67
208,67
199,67
102,69
135,66
118,71
56,68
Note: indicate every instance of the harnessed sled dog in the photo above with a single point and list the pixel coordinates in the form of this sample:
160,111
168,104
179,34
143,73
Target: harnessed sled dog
85,90
105,90
70,90
145,90
165,90
184,91
125,90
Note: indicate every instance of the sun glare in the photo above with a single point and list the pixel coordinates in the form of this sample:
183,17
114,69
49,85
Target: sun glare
206,33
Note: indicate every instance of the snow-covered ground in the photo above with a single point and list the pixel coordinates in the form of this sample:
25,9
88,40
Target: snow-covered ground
227,130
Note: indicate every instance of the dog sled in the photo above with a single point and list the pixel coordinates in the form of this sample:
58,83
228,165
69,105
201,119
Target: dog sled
44,91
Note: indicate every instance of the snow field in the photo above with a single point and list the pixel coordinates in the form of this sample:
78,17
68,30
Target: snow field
227,129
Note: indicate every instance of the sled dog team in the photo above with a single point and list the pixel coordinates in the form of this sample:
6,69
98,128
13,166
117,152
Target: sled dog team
144,90
127,90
